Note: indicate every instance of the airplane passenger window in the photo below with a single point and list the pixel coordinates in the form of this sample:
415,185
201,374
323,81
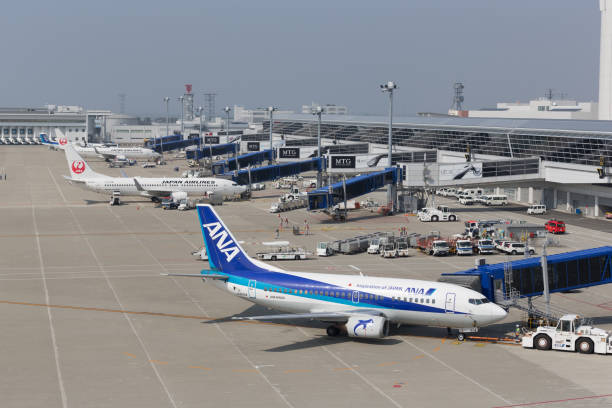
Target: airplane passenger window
426,300
326,293
433,300
421,300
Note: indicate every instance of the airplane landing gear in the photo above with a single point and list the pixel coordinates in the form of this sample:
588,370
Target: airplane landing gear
333,331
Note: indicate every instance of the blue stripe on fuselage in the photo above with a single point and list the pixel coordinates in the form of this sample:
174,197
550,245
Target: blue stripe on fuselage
277,280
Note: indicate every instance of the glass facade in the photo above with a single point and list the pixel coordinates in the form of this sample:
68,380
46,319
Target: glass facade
555,145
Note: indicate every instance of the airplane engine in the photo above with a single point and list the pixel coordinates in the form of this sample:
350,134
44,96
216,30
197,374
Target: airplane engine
371,327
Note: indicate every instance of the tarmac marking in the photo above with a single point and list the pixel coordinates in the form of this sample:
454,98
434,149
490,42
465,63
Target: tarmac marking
158,362
217,326
49,315
417,357
130,355
354,267
362,377
484,388
437,349
125,315
530,404
201,367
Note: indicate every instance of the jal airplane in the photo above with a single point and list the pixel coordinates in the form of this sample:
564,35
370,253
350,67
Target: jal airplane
83,176
356,305
102,151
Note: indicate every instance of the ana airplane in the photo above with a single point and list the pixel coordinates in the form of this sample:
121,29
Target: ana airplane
360,306
82,175
102,151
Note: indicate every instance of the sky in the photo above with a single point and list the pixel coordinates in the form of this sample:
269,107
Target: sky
288,53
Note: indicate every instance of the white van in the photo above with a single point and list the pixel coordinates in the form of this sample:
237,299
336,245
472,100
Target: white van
473,191
536,209
496,200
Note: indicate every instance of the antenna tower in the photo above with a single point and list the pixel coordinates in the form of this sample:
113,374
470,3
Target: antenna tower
458,97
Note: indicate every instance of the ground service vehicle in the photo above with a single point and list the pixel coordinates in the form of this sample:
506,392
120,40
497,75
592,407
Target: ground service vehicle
536,209
388,250
403,250
464,247
374,247
555,227
440,213
485,246
569,335
324,249
284,253
434,246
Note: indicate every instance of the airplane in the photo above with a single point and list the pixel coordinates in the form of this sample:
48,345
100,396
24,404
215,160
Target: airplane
102,151
356,305
154,188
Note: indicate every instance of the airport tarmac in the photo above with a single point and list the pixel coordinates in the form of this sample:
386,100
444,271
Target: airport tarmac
87,320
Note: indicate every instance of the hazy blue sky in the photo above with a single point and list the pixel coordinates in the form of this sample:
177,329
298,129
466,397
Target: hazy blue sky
286,53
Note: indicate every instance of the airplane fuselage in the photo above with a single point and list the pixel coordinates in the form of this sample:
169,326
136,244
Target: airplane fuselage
403,301
192,186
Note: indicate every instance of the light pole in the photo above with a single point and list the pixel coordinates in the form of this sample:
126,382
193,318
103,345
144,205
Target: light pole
271,110
199,110
227,111
390,87
181,98
318,110
167,100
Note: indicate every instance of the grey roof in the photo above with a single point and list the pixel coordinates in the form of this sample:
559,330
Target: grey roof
542,125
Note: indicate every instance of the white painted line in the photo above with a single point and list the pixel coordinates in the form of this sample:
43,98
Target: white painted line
127,318
57,186
47,301
473,381
354,267
357,373
199,307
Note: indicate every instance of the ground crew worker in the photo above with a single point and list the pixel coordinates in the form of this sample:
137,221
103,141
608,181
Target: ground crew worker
517,332
276,233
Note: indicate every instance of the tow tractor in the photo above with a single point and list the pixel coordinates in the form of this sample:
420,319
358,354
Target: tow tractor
569,335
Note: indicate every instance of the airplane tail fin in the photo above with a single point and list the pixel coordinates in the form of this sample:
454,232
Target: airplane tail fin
79,169
224,252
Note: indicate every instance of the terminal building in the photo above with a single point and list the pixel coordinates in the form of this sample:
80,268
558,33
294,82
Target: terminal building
563,164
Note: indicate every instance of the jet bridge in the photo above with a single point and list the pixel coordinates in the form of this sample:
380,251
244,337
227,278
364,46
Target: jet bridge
523,278
326,197
210,151
245,160
276,171
171,142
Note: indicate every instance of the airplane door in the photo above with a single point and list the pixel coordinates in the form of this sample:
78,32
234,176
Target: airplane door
449,306
252,286
355,296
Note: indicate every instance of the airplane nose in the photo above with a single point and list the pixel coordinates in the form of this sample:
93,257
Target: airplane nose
498,313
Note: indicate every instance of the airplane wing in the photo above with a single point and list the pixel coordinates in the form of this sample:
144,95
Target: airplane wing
152,193
326,316
106,156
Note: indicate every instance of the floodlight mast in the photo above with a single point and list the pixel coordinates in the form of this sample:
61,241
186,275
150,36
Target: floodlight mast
227,111
199,110
390,87
318,111
181,98
271,110
167,100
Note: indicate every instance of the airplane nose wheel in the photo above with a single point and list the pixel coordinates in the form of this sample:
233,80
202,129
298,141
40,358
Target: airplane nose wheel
333,331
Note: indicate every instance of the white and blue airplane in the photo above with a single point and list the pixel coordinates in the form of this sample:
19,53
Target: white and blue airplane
360,306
